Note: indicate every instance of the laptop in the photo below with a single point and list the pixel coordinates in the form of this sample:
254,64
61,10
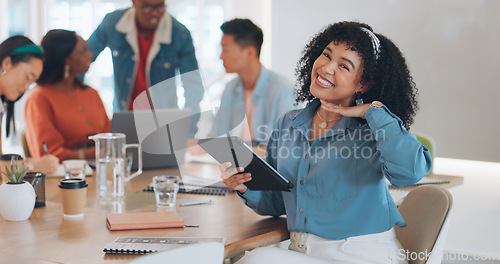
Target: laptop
163,135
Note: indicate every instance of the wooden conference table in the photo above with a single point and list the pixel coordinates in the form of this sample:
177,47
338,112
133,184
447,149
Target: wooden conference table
49,238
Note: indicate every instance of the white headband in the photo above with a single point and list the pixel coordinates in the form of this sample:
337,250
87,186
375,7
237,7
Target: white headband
375,42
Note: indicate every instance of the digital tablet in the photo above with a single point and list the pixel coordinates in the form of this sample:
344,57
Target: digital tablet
236,151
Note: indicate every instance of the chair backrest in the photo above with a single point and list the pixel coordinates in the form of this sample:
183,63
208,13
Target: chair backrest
27,153
428,142
425,210
209,253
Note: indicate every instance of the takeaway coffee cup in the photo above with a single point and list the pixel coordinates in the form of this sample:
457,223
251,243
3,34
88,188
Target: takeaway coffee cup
74,194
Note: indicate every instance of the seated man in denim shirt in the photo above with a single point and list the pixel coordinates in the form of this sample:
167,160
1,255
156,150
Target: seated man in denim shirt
257,93
149,46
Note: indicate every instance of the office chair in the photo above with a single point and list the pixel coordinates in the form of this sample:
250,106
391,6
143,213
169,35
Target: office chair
26,149
207,253
429,143
425,210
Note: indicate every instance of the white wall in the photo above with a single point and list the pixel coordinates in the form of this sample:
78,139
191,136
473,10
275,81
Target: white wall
4,27
451,46
260,12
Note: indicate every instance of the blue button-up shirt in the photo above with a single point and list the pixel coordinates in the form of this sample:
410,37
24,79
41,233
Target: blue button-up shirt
340,189
273,96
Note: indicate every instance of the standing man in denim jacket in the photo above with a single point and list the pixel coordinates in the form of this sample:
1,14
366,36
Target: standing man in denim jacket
149,47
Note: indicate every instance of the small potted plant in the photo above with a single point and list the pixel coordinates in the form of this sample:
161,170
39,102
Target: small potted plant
17,197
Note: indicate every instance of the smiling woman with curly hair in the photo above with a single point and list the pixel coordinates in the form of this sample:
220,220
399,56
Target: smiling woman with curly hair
387,76
339,151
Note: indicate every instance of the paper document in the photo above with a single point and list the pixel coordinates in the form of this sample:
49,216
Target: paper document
60,172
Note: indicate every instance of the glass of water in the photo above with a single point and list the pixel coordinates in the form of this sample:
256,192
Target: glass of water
74,169
166,188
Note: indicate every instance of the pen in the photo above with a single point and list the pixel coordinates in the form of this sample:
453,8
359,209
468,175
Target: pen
45,149
196,203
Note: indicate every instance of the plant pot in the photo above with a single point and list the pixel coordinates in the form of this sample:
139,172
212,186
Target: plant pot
17,201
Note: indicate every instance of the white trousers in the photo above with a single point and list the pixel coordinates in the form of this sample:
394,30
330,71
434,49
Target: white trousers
306,248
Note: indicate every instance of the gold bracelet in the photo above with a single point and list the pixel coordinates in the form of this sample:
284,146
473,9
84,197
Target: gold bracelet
376,104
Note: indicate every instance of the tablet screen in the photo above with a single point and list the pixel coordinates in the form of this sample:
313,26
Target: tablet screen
236,151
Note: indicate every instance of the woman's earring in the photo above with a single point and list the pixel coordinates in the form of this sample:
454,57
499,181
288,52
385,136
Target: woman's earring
359,100
3,72
66,71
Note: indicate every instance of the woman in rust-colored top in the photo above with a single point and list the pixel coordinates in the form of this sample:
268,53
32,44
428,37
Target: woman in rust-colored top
62,111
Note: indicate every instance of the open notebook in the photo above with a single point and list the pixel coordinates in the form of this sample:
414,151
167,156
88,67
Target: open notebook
60,172
423,181
145,245
196,185
398,194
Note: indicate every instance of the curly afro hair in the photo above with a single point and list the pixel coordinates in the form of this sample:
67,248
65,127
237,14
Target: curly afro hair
387,76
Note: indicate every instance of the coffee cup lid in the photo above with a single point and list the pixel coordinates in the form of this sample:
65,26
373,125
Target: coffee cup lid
72,184
10,156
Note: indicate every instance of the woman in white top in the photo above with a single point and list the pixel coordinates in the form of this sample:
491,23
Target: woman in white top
21,63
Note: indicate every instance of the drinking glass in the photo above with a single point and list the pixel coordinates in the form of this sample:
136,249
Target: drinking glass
75,169
166,188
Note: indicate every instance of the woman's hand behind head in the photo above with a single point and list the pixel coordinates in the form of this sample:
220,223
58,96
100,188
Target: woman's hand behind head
350,111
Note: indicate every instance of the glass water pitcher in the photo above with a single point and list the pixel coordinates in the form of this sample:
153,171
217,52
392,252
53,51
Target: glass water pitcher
111,164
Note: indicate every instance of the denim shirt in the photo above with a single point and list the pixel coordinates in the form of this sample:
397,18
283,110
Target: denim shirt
340,188
273,96
172,52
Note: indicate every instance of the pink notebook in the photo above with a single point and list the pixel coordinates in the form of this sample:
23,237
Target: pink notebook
143,220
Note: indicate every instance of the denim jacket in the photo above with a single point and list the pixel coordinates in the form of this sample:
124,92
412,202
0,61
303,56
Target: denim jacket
172,52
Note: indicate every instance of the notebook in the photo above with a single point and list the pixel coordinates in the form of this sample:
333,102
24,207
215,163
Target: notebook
163,135
60,172
145,245
217,188
423,181
143,220
196,185
398,194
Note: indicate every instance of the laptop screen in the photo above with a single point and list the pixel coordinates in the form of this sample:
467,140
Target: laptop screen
163,135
